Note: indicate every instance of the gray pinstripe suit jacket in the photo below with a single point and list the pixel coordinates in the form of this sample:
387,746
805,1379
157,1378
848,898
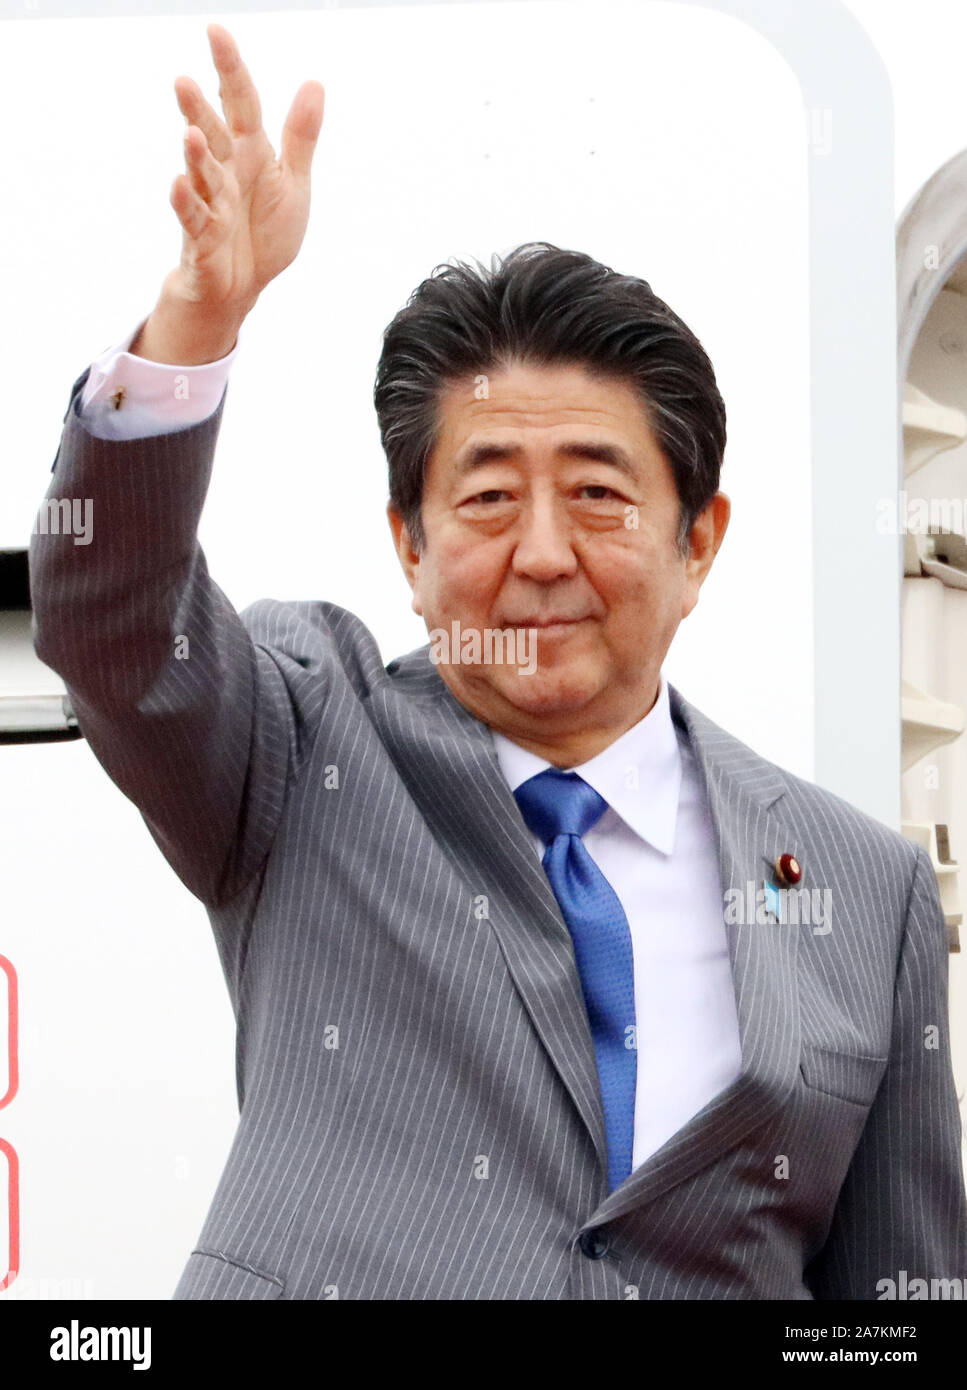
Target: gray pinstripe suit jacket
451,1144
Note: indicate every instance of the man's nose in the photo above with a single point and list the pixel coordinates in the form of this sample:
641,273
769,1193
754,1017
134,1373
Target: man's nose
544,549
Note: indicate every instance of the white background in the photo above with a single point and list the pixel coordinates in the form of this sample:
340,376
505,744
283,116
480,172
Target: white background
667,141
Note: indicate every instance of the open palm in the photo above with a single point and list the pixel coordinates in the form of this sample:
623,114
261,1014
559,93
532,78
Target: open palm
243,213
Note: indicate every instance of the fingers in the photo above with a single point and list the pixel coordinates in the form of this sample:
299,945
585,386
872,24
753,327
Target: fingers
204,172
240,100
192,210
197,111
301,130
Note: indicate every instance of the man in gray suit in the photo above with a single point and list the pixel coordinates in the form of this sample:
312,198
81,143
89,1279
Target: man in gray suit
546,986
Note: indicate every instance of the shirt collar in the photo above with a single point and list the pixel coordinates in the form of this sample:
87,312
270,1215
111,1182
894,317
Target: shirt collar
639,775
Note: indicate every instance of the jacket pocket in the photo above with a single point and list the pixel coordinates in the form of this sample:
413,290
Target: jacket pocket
846,1075
209,1274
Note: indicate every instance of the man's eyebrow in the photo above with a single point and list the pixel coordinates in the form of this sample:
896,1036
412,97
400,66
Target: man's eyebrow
478,455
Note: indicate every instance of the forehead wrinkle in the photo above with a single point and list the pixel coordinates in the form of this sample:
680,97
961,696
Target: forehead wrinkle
478,455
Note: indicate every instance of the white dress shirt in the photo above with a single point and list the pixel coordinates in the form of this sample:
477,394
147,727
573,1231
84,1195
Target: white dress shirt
656,844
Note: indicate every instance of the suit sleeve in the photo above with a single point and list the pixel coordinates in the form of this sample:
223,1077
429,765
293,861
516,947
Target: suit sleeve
191,719
903,1205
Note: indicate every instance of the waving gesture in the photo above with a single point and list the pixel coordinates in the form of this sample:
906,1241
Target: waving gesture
243,212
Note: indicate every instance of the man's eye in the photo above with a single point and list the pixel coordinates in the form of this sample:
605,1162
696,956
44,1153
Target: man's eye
492,494
597,491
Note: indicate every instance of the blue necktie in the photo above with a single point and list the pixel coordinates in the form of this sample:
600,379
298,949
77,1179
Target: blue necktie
560,807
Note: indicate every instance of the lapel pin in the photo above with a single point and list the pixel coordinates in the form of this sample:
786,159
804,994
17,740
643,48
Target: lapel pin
787,869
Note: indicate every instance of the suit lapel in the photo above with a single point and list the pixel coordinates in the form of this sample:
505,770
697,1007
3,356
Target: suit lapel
449,762
743,791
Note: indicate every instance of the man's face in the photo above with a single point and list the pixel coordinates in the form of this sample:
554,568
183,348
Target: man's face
549,506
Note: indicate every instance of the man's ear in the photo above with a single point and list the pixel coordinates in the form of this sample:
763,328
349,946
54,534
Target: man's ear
409,556
705,537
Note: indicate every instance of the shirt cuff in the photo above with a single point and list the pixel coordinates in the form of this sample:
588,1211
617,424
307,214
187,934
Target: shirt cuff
128,397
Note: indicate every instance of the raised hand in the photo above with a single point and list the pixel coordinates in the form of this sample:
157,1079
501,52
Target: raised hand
243,212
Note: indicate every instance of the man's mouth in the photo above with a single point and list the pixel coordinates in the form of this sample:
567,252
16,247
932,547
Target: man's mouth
549,629
544,622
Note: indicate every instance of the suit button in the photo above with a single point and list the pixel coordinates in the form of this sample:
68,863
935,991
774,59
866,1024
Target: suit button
594,1244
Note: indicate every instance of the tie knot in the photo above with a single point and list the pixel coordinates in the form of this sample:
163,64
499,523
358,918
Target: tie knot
559,803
